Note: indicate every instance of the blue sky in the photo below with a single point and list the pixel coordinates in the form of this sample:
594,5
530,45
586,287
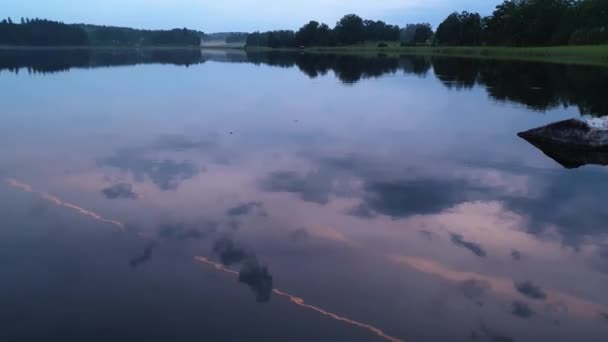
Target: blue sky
237,15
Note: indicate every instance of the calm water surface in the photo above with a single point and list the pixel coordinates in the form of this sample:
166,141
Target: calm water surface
185,196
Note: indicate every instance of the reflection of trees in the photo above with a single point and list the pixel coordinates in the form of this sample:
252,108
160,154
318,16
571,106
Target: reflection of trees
49,61
539,86
348,68
43,61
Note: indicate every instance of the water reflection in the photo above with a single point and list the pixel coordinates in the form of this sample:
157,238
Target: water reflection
538,86
418,215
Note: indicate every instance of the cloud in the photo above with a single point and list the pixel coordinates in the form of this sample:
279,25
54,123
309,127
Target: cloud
184,231
363,211
145,256
229,252
516,255
530,290
257,278
403,198
521,310
166,174
475,248
312,187
475,289
252,274
120,191
503,286
245,209
568,202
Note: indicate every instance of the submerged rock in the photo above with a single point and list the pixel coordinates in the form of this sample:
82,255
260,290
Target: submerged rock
572,143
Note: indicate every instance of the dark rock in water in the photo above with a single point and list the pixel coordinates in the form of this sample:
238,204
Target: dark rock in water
571,143
572,133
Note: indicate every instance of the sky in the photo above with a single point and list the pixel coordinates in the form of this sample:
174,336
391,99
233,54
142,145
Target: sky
237,15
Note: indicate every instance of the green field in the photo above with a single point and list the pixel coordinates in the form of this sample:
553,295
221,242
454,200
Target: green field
593,55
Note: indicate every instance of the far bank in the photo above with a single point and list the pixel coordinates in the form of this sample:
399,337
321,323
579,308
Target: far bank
588,55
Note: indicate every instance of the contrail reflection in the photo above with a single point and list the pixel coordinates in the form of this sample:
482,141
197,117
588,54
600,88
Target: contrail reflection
293,299
58,201
300,302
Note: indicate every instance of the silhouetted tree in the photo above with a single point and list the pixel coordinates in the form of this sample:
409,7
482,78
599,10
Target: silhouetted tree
350,30
460,29
424,32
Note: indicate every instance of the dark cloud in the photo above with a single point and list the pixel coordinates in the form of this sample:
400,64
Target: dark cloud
530,290
145,256
257,278
475,289
516,255
405,198
184,231
166,174
252,274
395,198
120,191
475,248
604,315
230,252
521,310
246,209
313,187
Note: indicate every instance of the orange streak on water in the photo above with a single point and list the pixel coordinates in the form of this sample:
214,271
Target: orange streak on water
58,201
300,302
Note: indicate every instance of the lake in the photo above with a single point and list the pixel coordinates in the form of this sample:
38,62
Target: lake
186,195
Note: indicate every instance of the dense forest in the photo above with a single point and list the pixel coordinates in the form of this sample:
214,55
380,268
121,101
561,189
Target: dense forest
351,29
513,23
40,32
110,35
529,23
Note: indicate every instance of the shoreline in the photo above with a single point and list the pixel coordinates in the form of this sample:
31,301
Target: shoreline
596,55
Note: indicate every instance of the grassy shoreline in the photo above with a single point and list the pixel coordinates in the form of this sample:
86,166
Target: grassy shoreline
584,55
587,55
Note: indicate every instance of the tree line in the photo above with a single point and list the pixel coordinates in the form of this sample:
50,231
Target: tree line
351,29
513,23
42,32
529,23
